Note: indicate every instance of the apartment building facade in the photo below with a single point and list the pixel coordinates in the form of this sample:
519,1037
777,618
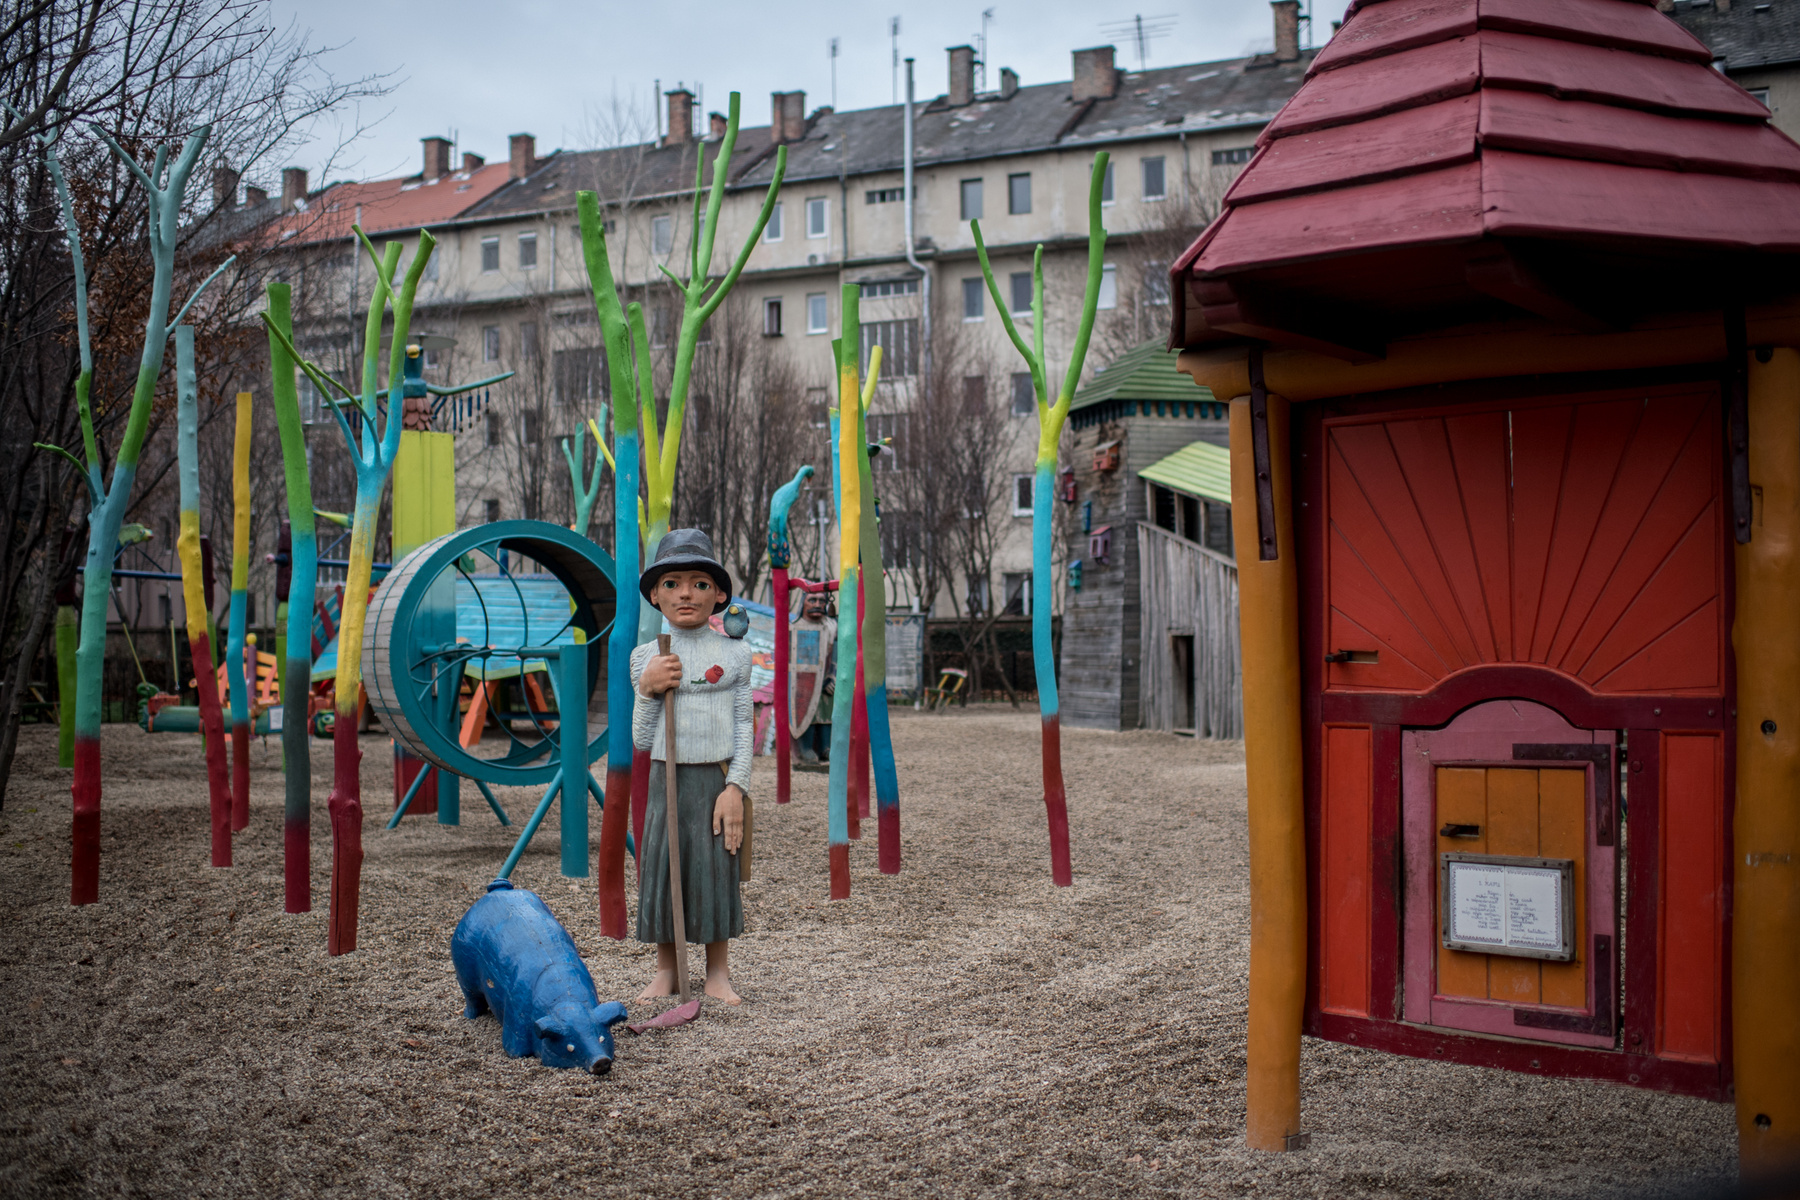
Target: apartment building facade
509,285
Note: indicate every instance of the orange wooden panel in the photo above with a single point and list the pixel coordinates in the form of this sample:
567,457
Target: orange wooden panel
1662,432
1540,458
1690,903
1685,657
1344,860
1562,833
1478,446
1368,451
1596,446
1686,581
1424,454
1512,807
1461,800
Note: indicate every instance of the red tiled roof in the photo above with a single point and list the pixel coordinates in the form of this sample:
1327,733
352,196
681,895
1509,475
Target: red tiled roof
387,205
1590,136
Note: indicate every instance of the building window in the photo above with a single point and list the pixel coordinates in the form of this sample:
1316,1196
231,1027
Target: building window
971,199
1021,496
817,317
1109,286
888,430
490,254
1153,178
1232,157
662,235
528,427
1021,293
431,264
528,340
875,289
527,251
772,316
1156,283
1017,587
1018,193
493,511
434,359
490,343
818,213
818,407
974,299
974,394
493,434
978,591
1761,95
887,195
662,323
772,231
1024,395
580,374
1106,185
899,342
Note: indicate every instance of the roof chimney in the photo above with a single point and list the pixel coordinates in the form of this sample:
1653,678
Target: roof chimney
1287,30
225,185
962,75
437,158
1095,76
681,118
788,123
293,187
473,162
524,155
255,197
1009,82
717,124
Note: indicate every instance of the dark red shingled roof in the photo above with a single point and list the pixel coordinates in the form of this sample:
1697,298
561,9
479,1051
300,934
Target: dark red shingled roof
1456,160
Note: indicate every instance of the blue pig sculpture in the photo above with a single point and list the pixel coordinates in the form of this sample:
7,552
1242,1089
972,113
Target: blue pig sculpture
513,957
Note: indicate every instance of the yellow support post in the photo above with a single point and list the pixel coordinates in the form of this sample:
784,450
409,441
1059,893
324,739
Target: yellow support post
424,489
1269,607
1765,923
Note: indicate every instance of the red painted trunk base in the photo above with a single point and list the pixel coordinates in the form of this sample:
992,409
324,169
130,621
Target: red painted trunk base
296,839
610,871
240,776
1056,804
887,833
345,807
213,723
84,856
406,769
840,872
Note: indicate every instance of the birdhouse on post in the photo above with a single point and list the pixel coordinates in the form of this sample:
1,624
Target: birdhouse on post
1505,305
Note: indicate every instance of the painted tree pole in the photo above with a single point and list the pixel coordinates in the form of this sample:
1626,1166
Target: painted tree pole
373,449
241,682
296,816
585,491
873,668
780,554
1050,425
193,592
109,503
851,446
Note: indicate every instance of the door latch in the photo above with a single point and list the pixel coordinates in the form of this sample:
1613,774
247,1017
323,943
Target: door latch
1354,656
1460,831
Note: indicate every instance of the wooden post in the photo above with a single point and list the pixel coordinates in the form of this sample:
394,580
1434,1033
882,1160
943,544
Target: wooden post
1269,607
1765,921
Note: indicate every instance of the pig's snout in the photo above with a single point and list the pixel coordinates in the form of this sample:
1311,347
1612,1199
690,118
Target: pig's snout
602,1066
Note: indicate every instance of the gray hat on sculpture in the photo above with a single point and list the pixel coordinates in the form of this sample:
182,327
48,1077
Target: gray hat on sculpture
686,550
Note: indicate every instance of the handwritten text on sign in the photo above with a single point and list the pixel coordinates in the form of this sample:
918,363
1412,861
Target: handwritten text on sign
1507,907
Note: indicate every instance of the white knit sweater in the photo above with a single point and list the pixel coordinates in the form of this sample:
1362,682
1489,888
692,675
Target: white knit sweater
713,717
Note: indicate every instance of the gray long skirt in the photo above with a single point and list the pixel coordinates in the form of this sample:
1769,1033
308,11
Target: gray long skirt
709,875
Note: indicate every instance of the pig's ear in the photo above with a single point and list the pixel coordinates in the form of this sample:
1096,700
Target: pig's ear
546,1029
609,1014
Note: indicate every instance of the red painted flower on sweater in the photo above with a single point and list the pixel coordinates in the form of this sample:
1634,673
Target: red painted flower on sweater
715,673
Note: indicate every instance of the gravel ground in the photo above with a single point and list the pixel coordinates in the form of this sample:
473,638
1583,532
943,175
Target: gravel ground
961,1029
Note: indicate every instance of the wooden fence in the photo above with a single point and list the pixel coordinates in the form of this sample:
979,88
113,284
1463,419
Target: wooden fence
1192,675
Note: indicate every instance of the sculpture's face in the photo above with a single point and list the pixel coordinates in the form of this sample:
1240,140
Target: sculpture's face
570,1036
814,607
686,598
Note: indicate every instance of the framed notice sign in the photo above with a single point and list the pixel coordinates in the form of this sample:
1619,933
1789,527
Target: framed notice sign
1500,904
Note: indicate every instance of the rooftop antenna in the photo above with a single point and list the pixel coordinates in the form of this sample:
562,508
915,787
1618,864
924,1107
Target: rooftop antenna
834,54
656,101
987,15
1306,21
894,41
1141,31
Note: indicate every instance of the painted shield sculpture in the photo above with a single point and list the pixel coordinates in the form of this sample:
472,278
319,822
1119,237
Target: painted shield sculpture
810,645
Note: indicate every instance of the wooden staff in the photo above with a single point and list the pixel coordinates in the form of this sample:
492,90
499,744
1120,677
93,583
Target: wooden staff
677,914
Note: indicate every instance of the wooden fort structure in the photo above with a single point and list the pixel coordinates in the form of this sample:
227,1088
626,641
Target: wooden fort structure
1507,312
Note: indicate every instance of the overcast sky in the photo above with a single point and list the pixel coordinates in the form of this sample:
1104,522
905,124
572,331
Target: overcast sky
477,71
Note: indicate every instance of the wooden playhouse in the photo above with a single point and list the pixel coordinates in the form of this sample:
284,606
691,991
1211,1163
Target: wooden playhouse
1507,306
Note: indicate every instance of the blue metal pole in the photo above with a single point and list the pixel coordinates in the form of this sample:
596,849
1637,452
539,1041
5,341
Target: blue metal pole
571,734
